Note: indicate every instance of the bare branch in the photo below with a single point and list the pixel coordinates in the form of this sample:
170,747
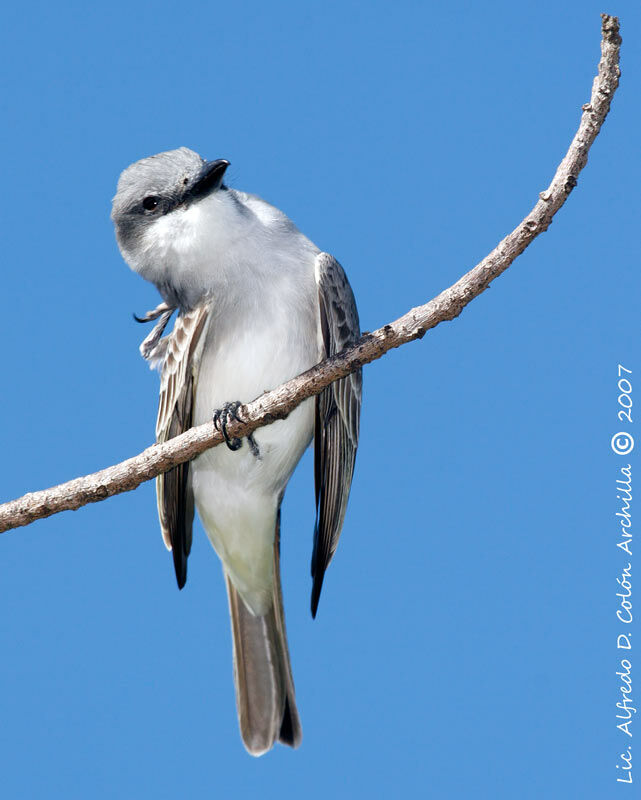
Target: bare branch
277,404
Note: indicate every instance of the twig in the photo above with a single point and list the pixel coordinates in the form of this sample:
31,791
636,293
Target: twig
278,403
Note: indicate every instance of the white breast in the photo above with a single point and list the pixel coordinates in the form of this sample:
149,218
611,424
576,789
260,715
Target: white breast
264,330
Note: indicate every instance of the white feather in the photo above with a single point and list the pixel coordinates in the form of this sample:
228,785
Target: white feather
259,272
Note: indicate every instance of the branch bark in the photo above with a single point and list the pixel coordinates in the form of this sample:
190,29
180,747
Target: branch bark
278,403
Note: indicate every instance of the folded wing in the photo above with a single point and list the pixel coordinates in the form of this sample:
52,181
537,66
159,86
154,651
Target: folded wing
177,389
337,418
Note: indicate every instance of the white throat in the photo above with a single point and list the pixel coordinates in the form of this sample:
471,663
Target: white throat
190,250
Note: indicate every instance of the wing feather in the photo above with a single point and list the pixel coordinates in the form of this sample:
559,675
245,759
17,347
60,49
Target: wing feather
337,418
175,409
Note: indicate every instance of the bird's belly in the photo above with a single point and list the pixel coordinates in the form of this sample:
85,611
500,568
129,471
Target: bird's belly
236,492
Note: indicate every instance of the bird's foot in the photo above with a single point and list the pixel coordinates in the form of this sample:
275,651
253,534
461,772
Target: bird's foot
222,417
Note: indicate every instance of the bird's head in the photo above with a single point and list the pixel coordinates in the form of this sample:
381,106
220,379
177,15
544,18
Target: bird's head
155,187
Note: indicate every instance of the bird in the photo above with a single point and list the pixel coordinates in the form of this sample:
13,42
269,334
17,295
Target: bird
256,304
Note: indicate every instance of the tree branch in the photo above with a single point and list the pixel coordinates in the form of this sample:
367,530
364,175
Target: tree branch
277,404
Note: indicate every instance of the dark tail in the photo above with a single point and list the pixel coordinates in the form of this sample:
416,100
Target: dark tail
262,673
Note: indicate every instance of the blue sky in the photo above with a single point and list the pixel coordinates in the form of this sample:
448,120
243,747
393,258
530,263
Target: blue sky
465,644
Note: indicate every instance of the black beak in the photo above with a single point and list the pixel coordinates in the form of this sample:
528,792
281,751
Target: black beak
209,178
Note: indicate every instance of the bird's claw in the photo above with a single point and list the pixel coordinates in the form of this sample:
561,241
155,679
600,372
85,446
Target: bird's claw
253,446
221,419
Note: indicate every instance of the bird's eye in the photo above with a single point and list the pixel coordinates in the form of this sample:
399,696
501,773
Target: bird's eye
151,203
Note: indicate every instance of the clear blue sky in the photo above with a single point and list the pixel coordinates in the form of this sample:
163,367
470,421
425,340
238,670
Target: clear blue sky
465,642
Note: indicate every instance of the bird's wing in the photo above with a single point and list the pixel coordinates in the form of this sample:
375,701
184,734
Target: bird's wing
177,390
337,418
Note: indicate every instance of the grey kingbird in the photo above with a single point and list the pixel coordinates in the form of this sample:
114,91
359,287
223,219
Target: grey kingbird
258,303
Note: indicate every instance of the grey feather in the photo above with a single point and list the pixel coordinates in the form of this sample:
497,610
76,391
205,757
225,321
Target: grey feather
175,409
337,419
262,673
